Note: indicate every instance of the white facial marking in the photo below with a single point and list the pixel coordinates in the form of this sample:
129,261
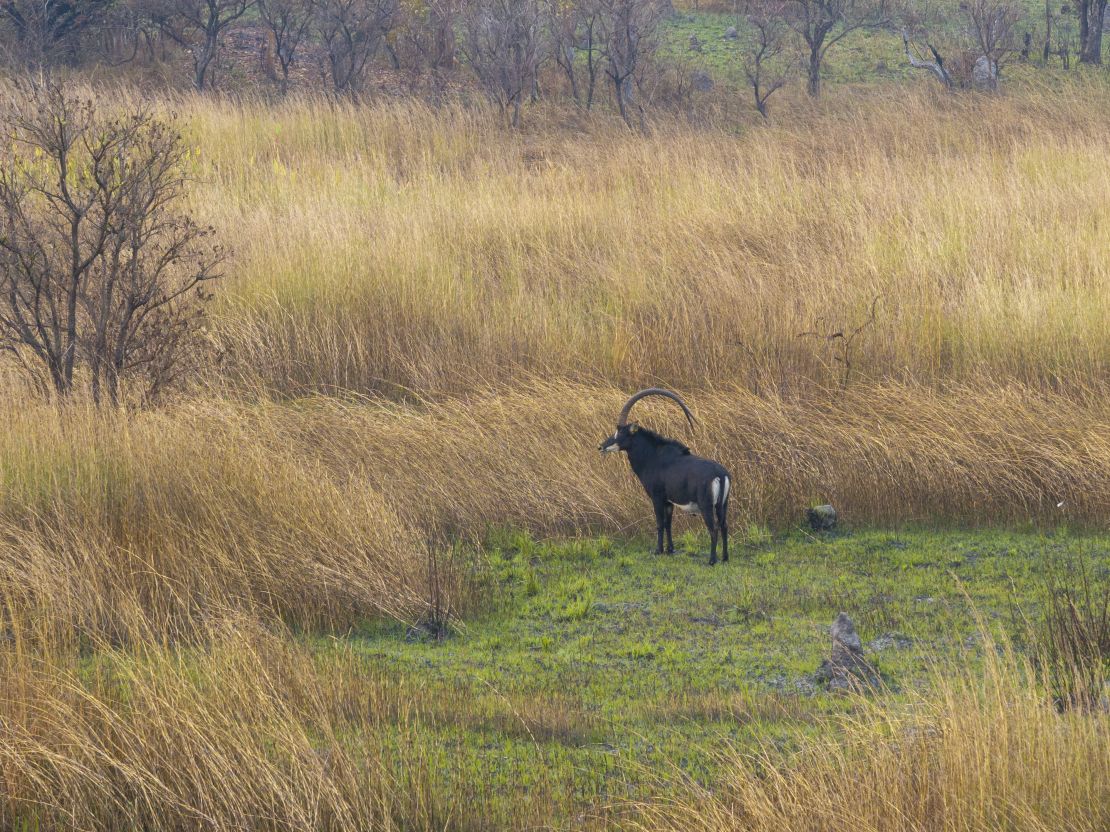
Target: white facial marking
610,449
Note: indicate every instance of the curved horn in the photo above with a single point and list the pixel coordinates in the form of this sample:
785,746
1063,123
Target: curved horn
653,391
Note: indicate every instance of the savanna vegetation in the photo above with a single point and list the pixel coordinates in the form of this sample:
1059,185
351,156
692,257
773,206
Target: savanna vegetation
302,520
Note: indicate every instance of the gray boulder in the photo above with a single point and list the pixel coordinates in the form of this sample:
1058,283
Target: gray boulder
887,641
702,81
846,668
731,33
984,75
821,518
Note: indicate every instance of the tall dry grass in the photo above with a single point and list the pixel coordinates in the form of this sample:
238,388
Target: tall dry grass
886,455
327,513
399,248
474,305
247,732
252,732
170,518
498,287
973,753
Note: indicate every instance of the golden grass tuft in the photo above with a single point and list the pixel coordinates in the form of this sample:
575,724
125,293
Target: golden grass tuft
403,250
428,325
184,514
245,733
974,752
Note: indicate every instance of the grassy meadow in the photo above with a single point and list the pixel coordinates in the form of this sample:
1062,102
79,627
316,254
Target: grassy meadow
226,612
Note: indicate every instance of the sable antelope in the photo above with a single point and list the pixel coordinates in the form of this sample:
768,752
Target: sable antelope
672,476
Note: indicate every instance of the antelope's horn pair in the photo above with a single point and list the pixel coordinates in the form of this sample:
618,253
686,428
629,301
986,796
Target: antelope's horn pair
653,391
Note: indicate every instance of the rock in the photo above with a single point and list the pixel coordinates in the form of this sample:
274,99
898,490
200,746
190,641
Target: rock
702,81
822,518
711,620
984,75
846,668
731,33
843,632
889,640
427,629
695,44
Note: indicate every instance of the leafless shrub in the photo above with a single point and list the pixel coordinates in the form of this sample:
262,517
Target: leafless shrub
428,30
352,32
975,58
991,24
573,25
101,277
503,48
288,22
37,33
842,340
1074,638
768,58
198,26
629,34
824,23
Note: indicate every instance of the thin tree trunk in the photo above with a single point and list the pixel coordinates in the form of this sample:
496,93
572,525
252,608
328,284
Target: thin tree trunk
94,371
1092,50
813,87
1047,51
622,105
202,62
591,69
567,63
1084,8
69,347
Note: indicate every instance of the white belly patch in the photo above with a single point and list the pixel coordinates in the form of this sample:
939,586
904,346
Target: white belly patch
688,508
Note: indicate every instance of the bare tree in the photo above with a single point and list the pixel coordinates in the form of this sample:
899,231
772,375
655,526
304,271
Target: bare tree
1092,18
992,27
41,32
573,25
824,23
768,57
123,29
1065,36
199,27
936,66
503,48
429,29
288,22
841,340
1049,19
629,34
101,276
352,32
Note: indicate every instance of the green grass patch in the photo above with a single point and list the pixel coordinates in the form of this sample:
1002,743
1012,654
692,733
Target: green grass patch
598,663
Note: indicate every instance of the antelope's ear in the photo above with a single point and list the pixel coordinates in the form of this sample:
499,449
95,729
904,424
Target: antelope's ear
633,428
